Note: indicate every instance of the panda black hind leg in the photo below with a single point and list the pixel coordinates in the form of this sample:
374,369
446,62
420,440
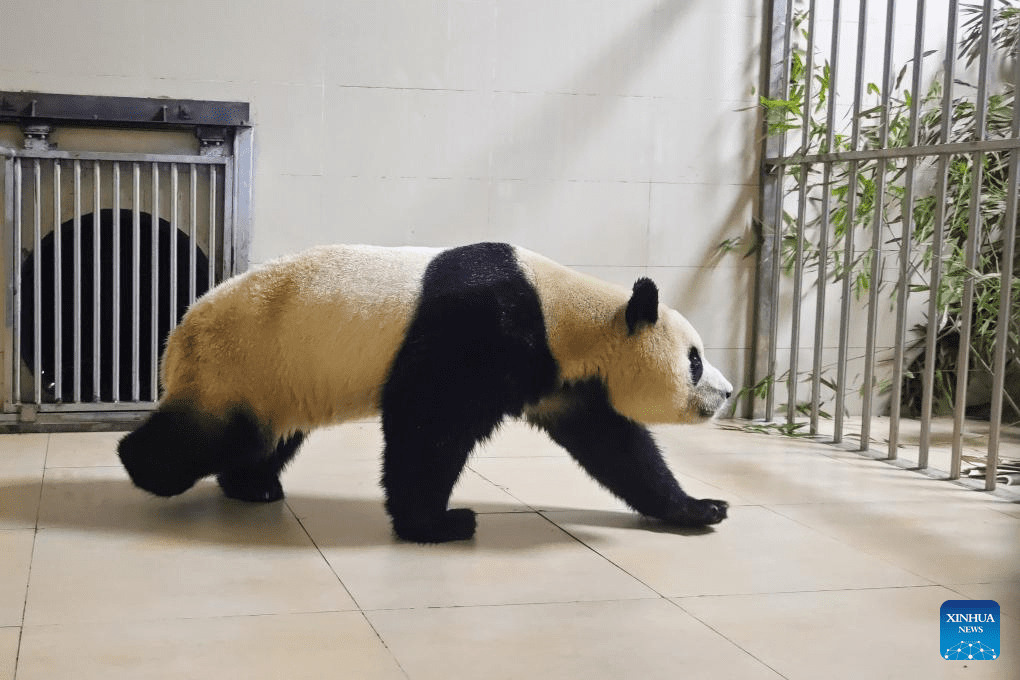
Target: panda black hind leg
623,457
258,481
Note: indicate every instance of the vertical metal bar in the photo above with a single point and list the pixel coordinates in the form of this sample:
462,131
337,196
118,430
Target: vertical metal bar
777,37
777,256
778,222
876,234
58,286
16,279
938,222
903,287
228,221
115,354
11,256
76,284
798,275
193,246
1005,297
848,236
154,292
818,341
212,225
973,237
37,283
174,226
934,314
96,276
136,259
240,224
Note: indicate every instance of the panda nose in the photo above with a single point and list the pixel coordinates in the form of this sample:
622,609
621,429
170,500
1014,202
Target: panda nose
728,394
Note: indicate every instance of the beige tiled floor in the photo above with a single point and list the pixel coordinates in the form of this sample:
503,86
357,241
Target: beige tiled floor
830,566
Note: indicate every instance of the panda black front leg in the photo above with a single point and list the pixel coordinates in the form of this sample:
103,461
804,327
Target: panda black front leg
418,484
420,469
623,457
259,482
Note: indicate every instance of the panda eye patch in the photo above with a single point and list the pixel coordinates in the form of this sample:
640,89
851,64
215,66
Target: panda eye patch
695,360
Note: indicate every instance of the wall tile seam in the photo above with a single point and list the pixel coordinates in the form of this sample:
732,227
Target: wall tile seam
533,180
566,180
147,79
749,99
664,182
700,267
859,348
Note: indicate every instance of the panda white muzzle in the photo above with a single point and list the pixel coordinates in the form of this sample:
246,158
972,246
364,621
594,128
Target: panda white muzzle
712,391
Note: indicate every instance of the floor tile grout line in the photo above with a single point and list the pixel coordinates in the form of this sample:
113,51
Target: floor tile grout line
489,605
676,602
322,555
17,652
727,638
606,558
347,590
113,622
876,501
838,453
312,612
808,592
506,490
955,589
111,466
31,557
930,582
851,546
378,635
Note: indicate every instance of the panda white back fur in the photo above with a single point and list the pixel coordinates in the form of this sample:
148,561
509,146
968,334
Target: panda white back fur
303,341
444,344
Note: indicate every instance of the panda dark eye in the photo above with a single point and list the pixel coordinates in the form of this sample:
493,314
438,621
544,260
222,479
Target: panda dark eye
695,359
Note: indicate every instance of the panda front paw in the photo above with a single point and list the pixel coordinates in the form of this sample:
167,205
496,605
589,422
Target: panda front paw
251,485
699,513
452,525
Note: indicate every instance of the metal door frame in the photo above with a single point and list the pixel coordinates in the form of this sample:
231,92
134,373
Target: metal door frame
225,139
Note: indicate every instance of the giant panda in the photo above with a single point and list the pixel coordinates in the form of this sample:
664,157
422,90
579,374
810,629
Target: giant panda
443,345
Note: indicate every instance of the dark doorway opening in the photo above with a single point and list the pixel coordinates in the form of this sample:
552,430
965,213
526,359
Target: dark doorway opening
114,353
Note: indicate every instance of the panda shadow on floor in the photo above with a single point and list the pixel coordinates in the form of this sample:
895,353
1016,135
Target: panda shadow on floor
206,516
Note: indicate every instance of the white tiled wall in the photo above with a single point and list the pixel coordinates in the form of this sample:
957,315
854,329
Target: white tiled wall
619,136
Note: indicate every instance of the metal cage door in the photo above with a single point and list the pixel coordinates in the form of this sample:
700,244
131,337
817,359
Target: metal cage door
103,253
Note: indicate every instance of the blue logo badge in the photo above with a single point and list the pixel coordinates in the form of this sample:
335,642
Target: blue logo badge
970,630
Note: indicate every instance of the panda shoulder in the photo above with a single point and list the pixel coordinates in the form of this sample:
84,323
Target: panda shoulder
553,279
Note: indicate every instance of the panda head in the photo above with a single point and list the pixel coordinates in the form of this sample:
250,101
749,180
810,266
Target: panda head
660,373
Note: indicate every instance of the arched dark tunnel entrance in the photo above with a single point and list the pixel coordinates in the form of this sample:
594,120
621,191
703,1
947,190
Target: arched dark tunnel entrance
112,350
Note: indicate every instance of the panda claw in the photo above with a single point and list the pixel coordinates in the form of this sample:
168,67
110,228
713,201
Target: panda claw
716,511
252,488
698,513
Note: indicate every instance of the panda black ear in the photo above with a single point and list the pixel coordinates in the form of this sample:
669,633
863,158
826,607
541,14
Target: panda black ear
643,306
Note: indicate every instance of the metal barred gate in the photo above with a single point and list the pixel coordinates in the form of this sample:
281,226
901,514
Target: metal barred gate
104,251
891,164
